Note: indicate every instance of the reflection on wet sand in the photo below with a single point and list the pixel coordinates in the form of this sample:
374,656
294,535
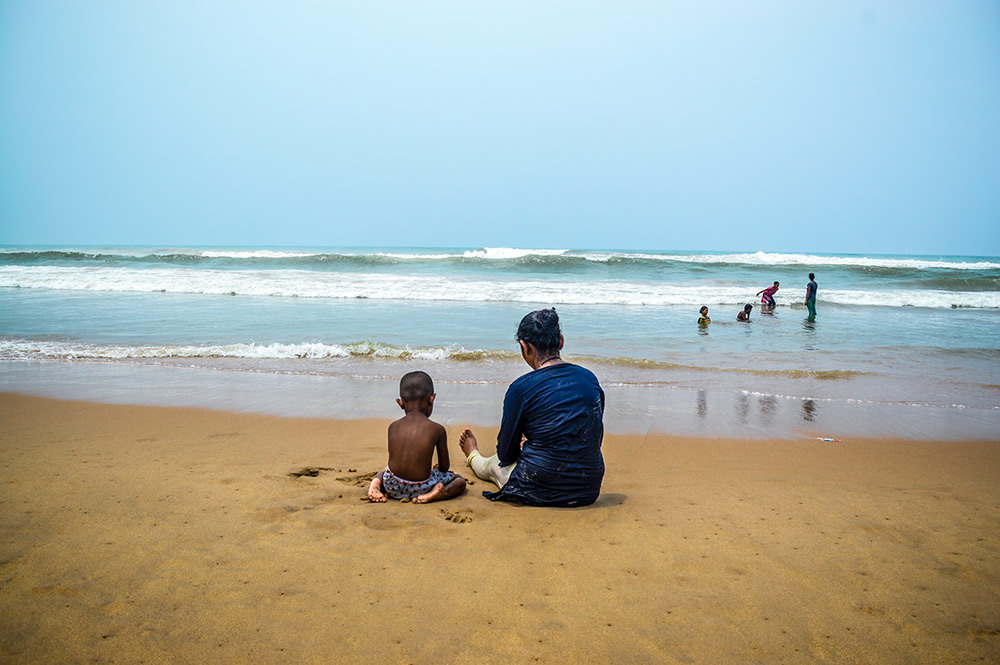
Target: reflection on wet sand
743,408
702,404
808,410
768,406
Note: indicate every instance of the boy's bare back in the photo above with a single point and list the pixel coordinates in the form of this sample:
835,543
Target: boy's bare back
412,442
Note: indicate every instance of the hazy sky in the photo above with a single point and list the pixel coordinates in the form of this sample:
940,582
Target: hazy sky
828,126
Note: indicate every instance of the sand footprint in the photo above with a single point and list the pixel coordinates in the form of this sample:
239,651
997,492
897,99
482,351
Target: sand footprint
456,516
309,471
358,479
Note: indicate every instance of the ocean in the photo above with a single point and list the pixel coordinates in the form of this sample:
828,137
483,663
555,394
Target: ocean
901,345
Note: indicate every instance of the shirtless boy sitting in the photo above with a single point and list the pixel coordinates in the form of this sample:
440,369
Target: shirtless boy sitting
412,441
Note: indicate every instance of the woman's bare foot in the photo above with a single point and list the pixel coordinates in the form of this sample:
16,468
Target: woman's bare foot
467,442
437,492
375,491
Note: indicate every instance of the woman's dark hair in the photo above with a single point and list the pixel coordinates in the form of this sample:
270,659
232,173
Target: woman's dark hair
540,329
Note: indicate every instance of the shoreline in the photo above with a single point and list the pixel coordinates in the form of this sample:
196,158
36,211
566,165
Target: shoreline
455,426
672,408
165,534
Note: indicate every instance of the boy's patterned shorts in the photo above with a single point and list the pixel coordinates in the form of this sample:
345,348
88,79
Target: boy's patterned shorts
398,488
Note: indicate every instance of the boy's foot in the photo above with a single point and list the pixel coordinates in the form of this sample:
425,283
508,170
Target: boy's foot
467,442
375,493
436,493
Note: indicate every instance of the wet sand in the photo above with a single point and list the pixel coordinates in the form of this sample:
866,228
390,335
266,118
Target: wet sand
175,535
721,412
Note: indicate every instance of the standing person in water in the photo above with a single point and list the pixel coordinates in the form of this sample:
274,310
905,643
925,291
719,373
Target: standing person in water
703,318
767,295
745,314
811,288
549,445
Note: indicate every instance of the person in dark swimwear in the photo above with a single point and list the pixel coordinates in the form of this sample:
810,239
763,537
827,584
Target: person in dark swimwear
811,289
549,445
745,314
767,295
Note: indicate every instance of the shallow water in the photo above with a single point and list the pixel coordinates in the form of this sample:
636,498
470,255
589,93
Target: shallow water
353,321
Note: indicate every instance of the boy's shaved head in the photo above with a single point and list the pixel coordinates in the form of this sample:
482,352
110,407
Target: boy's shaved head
415,386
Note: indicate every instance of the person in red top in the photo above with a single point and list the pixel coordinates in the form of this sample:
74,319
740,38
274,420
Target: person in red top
768,295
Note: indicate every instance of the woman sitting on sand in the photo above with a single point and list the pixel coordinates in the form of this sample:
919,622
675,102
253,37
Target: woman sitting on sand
549,445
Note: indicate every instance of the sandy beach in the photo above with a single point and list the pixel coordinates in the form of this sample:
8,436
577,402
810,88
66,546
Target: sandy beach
134,534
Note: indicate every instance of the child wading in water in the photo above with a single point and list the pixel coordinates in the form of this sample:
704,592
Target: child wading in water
412,441
767,299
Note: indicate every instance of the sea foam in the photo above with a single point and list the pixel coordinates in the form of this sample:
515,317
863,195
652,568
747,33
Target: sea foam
388,286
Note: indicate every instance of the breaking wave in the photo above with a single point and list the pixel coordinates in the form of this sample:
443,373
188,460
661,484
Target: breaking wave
314,258
390,286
